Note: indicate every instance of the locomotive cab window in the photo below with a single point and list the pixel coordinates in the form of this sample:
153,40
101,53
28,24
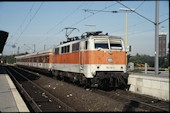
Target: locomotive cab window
116,44
104,44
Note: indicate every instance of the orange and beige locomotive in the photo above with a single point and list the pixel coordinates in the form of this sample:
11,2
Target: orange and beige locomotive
93,59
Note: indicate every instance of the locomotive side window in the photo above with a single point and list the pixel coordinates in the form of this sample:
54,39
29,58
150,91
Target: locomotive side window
75,47
56,51
65,49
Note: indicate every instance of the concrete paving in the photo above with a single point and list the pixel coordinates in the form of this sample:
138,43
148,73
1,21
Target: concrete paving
10,99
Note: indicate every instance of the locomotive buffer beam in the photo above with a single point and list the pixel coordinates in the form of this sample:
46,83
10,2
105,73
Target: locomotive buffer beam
110,79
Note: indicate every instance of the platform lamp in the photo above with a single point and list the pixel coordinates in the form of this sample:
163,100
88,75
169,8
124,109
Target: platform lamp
126,10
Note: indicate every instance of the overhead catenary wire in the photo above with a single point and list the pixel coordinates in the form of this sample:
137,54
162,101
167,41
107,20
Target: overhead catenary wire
139,5
95,13
30,21
105,7
65,18
140,23
91,15
135,12
25,17
163,21
82,20
20,26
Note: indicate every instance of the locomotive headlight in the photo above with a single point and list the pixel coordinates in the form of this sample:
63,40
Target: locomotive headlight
93,73
121,67
110,52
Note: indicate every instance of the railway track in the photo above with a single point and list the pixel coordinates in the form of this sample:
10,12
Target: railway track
136,102
38,99
132,101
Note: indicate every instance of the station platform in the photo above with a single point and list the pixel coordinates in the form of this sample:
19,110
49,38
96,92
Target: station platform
150,84
10,99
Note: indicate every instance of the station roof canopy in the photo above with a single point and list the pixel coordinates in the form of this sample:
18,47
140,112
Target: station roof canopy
3,38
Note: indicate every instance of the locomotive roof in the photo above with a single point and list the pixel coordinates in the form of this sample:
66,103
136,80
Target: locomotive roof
92,36
107,36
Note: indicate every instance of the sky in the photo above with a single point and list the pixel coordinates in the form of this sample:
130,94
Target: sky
41,24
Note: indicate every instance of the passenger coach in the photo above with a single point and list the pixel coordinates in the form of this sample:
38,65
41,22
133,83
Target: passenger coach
40,60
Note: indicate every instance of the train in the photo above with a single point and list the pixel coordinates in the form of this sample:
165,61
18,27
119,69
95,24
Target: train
93,59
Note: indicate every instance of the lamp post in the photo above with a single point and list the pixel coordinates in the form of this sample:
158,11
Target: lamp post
121,10
126,10
156,37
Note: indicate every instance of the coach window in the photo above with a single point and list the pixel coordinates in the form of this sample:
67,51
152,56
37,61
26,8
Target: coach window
32,59
35,59
46,59
40,59
43,58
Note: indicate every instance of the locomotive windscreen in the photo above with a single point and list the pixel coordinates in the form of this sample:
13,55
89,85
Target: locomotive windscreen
104,44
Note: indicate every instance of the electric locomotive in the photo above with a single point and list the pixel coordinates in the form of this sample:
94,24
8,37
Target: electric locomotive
94,59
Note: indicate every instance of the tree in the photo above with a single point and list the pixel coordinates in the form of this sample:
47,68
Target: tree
142,59
10,59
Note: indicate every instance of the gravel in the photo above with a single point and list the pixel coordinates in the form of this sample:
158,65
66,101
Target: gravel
79,98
